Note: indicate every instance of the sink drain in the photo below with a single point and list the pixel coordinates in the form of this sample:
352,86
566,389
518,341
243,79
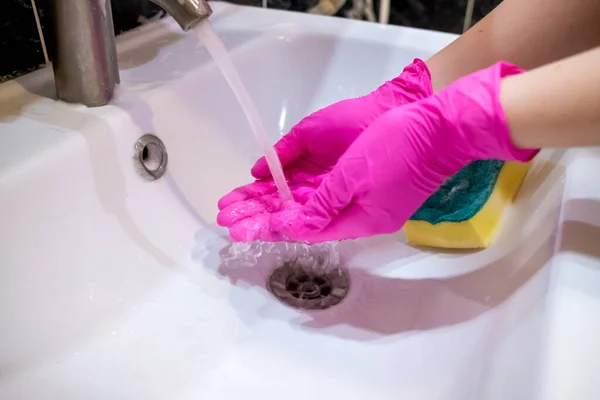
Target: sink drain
308,288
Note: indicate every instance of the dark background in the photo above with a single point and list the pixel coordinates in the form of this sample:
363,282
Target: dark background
21,48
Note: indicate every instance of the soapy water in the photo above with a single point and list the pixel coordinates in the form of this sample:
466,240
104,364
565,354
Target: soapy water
219,53
318,258
255,261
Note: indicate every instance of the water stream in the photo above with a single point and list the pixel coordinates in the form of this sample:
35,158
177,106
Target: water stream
219,53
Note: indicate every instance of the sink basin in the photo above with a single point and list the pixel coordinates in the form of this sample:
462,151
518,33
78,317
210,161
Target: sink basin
114,287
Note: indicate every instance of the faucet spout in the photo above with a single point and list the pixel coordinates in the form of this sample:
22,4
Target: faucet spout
187,13
84,57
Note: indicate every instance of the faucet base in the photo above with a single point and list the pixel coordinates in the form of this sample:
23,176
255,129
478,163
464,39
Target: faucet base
85,58
85,54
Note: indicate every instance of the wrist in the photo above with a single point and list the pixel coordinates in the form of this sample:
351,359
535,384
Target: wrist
413,84
477,116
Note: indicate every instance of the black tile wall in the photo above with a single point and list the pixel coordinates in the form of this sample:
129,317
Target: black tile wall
21,48
20,45
129,14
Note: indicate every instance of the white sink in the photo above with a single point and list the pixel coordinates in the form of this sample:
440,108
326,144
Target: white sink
112,287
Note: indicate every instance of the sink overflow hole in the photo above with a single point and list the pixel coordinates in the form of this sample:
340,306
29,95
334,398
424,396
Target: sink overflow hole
150,157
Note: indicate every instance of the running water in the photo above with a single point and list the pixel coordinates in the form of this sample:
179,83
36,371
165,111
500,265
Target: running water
219,53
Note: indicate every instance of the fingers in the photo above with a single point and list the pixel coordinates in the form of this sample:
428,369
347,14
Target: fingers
235,212
332,196
309,218
270,227
295,225
250,191
314,222
254,228
353,222
303,193
288,148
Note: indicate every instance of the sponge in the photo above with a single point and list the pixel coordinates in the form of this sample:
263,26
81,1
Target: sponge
466,211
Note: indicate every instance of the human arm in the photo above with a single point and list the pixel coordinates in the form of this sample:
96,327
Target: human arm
527,33
557,105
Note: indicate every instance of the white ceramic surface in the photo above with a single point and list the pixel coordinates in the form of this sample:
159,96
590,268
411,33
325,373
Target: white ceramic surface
112,287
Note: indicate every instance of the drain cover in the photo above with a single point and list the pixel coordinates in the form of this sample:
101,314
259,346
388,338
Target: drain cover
308,288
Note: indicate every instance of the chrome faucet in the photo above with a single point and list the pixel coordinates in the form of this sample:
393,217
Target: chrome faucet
85,55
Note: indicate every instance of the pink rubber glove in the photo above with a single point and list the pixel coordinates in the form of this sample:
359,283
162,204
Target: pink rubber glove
390,169
313,146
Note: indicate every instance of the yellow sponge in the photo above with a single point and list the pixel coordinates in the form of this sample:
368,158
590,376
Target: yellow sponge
481,229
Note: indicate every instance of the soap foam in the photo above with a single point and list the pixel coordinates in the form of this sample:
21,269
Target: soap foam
268,256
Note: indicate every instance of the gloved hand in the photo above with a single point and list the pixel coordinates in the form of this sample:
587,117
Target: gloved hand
391,168
314,145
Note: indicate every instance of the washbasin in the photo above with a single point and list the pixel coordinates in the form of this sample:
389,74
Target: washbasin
117,287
